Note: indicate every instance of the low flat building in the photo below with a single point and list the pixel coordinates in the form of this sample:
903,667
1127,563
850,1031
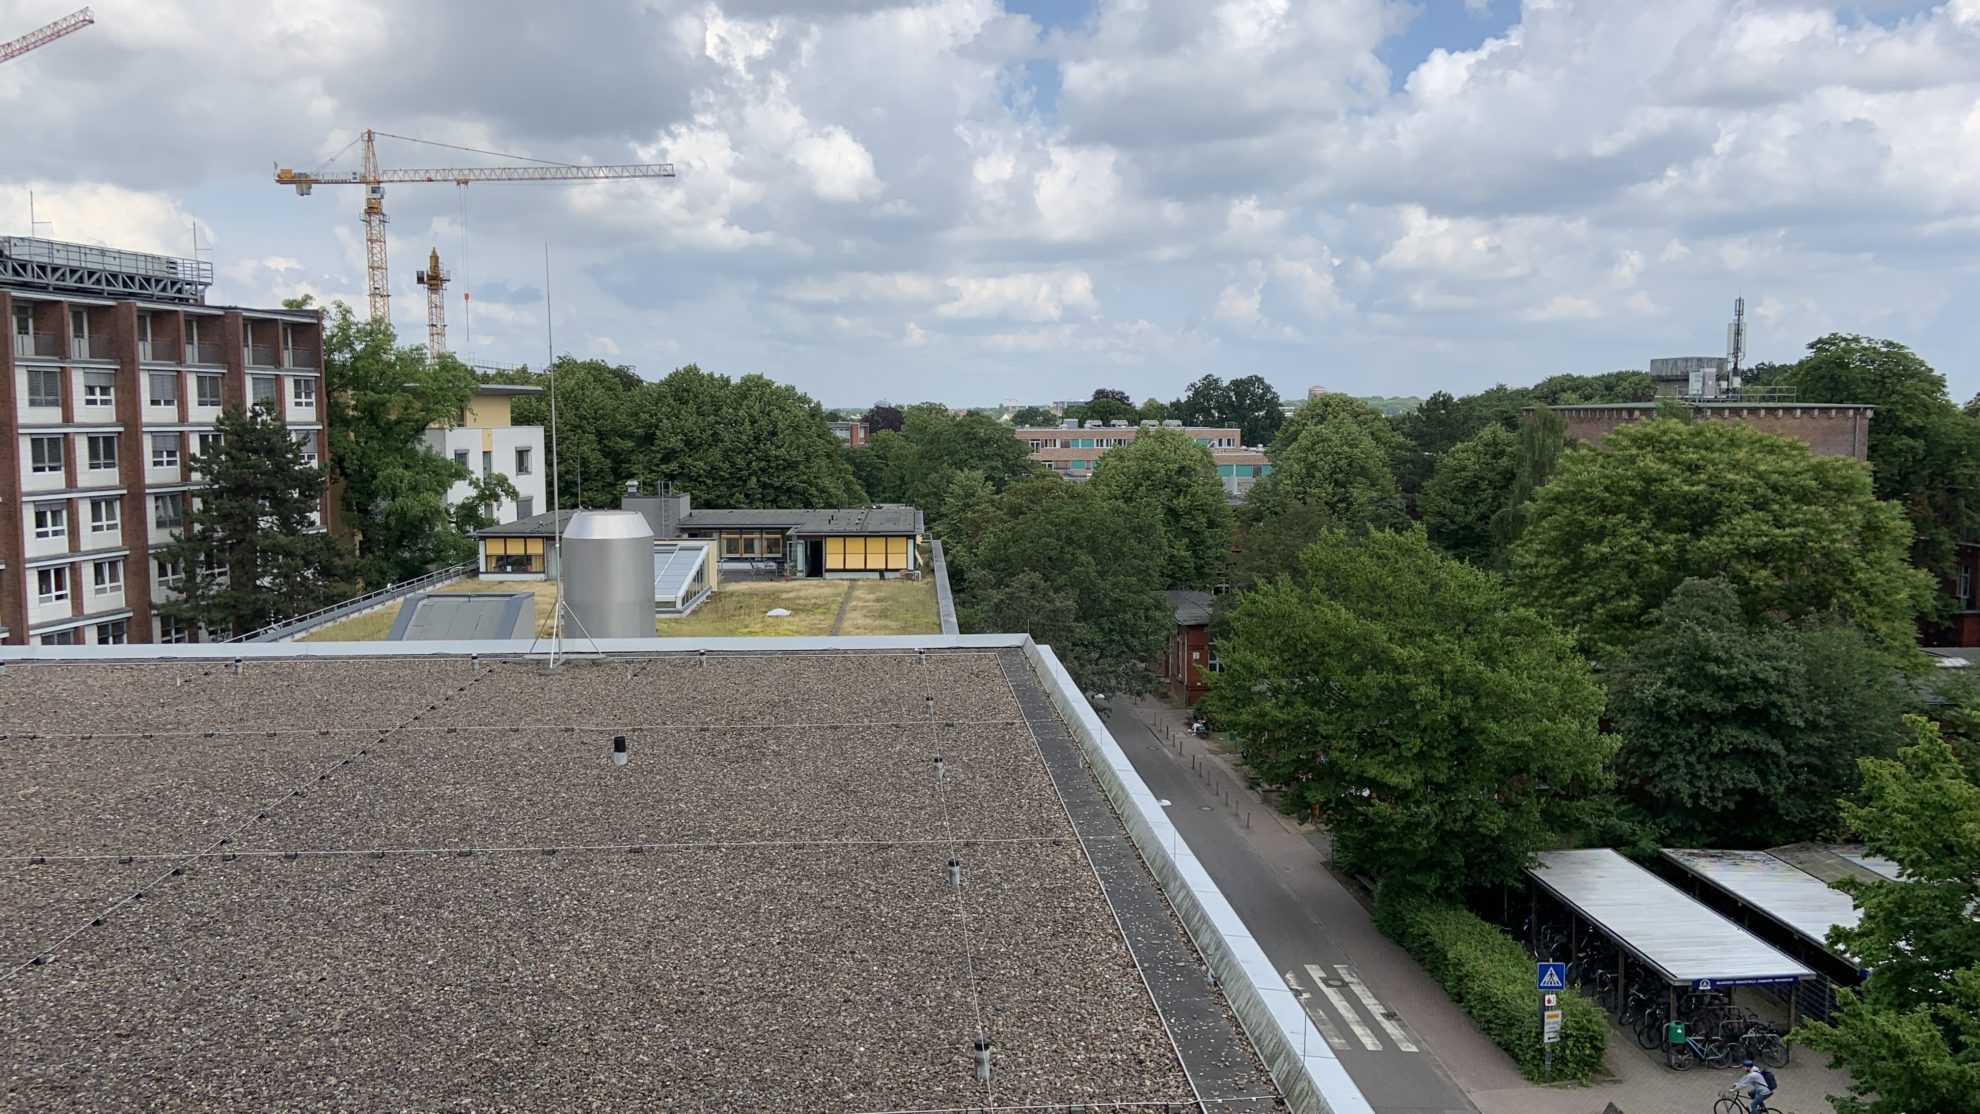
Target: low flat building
1188,655
1827,429
486,441
852,432
1073,449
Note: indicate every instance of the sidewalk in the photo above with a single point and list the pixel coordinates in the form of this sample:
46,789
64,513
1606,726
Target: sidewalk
1639,1081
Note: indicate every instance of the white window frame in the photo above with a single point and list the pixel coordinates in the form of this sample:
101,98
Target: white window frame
302,392
107,576
99,389
257,383
51,585
203,380
90,458
49,377
176,499
111,523
525,461
116,632
39,463
173,632
164,450
151,381
170,573
51,521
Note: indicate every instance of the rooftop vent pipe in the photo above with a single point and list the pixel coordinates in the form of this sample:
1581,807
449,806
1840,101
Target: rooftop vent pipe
618,750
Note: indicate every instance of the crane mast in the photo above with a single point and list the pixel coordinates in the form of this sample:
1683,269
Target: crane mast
378,278
42,36
435,281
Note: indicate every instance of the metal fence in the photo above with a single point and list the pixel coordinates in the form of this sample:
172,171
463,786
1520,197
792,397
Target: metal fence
289,628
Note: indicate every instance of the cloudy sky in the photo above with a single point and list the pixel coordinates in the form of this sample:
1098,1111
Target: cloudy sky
968,200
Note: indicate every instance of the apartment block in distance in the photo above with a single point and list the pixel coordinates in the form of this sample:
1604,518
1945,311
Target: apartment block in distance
114,375
488,442
1072,449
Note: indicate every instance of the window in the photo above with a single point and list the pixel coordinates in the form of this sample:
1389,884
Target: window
306,446
173,631
523,462
79,324
102,451
168,511
51,585
460,457
261,388
109,577
487,463
99,388
44,387
169,573
51,520
526,506
302,392
165,450
45,454
206,390
1965,584
164,388
23,321
105,516
113,633
209,444
512,555
59,638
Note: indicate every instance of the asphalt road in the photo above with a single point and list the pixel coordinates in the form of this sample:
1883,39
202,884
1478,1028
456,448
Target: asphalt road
1273,879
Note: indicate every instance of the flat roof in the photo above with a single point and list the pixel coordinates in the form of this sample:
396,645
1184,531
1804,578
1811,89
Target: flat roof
413,882
1192,608
1783,892
1682,938
888,519
506,389
448,616
1831,862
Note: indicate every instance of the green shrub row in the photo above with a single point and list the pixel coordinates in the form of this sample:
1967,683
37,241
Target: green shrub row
1491,977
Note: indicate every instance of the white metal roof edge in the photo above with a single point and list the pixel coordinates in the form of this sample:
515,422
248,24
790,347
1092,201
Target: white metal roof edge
1697,861
514,647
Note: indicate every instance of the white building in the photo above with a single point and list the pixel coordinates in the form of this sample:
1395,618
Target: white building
488,442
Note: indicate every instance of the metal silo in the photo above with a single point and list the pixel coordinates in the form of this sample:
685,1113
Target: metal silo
608,575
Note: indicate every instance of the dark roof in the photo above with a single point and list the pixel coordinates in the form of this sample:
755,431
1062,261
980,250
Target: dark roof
506,389
890,519
535,526
451,616
1192,608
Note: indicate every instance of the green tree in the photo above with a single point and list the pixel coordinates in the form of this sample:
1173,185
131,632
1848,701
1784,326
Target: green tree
1910,1036
380,399
1039,416
250,551
1542,438
884,415
1471,483
1254,407
1172,480
1104,409
1924,451
750,442
1404,700
1428,432
1203,403
1079,573
1746,735
1797,535
1273,545
1335,464
935,444
1616,386
1153,410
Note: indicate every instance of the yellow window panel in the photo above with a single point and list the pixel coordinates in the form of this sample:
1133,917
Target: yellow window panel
532,546
897,553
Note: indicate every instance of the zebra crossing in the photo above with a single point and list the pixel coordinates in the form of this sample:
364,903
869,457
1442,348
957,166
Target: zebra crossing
1335,989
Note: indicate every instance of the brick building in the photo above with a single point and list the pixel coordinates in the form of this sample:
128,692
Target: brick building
1826,428
114,376
1187,654
1072,449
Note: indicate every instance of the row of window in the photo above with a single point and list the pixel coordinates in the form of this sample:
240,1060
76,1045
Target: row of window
51,585
46,453
51,520
1111,442
44,389
115,633
525,462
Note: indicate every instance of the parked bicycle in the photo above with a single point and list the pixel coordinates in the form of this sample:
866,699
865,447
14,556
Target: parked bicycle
1697,1050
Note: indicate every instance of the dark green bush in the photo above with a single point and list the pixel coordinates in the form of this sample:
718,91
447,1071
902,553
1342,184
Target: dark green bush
1491,977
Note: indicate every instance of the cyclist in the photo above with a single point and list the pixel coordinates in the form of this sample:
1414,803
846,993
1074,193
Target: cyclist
1754,1085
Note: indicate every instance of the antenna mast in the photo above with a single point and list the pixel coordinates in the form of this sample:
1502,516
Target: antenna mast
1736,341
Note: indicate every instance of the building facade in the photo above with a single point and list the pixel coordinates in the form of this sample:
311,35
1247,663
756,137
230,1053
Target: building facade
487,442
1188,656
852,432
110,384
1827,429
1072,448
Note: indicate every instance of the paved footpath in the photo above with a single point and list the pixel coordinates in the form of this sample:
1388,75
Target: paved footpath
1407,1045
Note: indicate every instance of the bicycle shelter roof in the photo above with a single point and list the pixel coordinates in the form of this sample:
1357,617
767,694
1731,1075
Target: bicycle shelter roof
1775,888
1680,937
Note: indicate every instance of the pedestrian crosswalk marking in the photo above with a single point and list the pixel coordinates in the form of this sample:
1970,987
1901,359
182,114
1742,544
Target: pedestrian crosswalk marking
1318,1016
1340,1002
1375,1009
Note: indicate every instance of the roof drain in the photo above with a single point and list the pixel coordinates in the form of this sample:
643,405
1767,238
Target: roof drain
955,872
618,750
938,767
982,1056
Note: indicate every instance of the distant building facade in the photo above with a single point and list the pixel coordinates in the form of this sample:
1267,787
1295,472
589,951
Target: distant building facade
1188,658
1828,430
111,383
1072,448
852,432
488,442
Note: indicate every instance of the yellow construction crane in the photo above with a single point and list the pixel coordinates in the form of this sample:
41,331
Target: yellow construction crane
42,36
378,279
435,281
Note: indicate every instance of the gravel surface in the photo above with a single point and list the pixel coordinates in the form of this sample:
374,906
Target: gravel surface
808,954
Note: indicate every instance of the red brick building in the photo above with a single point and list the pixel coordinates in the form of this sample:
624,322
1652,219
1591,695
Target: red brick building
1188,654
1827,429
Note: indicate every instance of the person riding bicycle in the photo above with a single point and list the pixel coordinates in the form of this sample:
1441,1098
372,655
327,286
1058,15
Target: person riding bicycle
1754,1085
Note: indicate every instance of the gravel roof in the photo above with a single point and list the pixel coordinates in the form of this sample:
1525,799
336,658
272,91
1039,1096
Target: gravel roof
388,884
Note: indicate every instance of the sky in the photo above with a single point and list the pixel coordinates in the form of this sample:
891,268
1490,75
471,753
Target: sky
970,201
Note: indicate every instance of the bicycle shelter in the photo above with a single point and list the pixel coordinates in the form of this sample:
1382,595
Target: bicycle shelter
1798,908
1652,922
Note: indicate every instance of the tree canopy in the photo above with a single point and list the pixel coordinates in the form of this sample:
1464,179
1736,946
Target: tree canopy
1746,735
250,552
1336,458
883,415
1033,416
1249,403
1435,726
1910,1036
1172,480
1471,484
1799,536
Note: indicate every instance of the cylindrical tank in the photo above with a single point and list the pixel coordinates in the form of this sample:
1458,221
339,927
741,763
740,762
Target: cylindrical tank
608,575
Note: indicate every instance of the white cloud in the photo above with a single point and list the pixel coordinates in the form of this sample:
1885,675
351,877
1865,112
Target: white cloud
1029,296
840,169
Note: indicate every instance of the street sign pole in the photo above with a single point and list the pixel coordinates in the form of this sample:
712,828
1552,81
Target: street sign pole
1551,978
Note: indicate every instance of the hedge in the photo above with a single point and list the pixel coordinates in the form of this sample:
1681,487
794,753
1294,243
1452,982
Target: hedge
1491,977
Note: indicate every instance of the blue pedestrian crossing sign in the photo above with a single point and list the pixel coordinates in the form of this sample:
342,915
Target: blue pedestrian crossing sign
1553,976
